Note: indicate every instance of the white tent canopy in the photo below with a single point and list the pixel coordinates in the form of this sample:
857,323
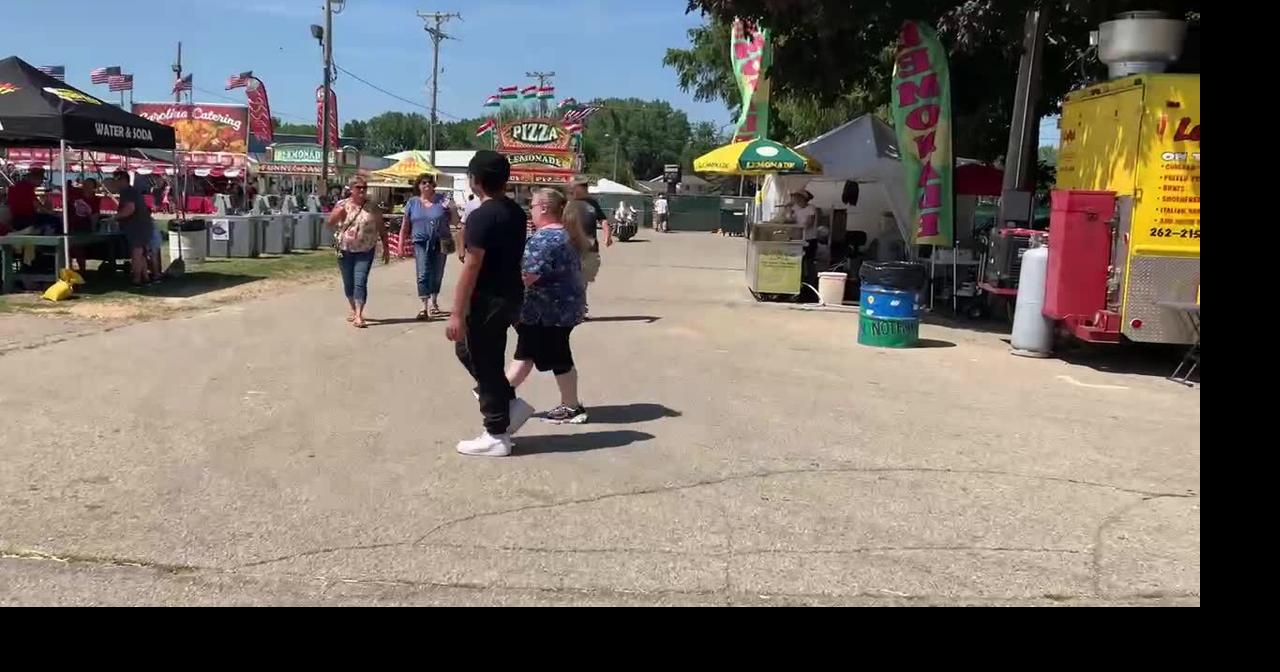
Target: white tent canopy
607,186
864,151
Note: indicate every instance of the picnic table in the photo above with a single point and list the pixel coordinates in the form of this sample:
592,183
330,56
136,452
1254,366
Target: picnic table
105,247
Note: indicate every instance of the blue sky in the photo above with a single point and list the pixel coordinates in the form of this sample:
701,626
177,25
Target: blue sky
598,48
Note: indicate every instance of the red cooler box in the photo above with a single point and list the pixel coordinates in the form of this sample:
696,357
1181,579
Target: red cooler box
1079,254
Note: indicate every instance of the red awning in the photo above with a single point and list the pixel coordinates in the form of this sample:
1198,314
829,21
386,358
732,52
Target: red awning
976,179
202,164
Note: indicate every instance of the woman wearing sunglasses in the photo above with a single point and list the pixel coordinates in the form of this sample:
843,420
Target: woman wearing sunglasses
357,227
430,217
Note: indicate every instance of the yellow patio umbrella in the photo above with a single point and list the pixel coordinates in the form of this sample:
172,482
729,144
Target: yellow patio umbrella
408,167
756,157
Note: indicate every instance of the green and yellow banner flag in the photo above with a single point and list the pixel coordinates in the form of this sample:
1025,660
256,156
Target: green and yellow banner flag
749,47
922,119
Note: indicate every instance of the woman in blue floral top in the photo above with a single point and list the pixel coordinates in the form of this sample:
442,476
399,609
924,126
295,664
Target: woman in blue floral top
555,301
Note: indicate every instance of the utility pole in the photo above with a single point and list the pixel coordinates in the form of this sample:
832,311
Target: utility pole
437,35
543,78
177,75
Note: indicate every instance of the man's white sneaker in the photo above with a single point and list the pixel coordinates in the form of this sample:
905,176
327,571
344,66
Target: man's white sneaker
520,412
487,445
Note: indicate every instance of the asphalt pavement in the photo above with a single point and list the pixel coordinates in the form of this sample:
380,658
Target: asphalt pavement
265,452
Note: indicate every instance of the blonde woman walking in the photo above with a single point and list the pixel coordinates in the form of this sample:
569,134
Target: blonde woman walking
555,301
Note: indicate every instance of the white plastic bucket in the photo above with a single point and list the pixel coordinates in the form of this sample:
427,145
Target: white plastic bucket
831,288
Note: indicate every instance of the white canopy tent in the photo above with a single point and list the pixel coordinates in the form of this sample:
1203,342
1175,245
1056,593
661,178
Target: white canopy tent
864,151
607,186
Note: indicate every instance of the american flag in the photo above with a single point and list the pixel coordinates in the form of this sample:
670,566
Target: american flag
58,72
573,127
120,82
567,102
101,75
183,84
239,81
581,114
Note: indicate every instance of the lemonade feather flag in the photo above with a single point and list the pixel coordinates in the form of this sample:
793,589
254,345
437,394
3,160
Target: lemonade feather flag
922,120
752,55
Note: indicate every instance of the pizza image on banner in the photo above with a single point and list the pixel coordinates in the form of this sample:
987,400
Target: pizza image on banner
202,127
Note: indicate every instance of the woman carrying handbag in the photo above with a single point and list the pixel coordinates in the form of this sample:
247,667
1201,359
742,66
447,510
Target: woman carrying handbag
429,217
357,226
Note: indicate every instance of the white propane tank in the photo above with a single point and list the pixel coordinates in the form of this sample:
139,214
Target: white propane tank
1032,331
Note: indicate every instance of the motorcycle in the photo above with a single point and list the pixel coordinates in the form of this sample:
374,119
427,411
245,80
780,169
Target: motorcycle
624,227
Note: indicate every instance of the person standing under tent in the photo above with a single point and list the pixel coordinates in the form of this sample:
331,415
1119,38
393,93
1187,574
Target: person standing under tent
79,220
555,301
358,227
134,218
429,217
806,215
486,303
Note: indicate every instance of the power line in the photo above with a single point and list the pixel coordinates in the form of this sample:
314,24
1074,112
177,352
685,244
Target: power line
379,89
375,87
238,102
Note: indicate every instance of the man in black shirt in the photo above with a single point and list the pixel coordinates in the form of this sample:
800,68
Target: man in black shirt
594,220
487,303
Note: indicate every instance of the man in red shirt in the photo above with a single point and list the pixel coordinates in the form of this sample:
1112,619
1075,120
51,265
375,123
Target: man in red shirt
22,199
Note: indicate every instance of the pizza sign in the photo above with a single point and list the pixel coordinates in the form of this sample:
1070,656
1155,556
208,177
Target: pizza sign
534,133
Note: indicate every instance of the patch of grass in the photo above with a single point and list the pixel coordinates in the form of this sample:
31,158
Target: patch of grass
211,276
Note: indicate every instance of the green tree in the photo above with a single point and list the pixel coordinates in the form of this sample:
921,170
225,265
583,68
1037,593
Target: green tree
703,137
354,129
293,128
834,57
643,134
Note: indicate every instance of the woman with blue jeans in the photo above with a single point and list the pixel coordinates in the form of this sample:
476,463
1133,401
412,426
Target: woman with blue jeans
429,218
357,227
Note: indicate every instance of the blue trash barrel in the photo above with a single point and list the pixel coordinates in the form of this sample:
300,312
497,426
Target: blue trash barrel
888,318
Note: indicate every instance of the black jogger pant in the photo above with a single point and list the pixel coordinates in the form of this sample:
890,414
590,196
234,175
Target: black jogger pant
483,352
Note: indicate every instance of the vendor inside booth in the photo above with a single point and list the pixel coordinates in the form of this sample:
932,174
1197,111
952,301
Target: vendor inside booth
293,169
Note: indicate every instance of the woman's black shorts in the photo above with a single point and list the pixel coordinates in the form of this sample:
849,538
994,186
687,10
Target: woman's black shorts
546,347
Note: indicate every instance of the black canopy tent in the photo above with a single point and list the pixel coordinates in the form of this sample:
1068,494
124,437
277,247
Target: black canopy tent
37,110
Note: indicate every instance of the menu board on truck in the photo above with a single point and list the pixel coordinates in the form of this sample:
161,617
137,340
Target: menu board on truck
202,127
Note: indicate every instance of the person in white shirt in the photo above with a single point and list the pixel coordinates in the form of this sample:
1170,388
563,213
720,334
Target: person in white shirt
623,211
660,214
806,215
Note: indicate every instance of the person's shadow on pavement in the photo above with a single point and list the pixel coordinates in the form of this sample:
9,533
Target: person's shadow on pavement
578,443
626,414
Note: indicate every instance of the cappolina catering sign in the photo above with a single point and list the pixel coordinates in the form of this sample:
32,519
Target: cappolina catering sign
226,115
202,127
